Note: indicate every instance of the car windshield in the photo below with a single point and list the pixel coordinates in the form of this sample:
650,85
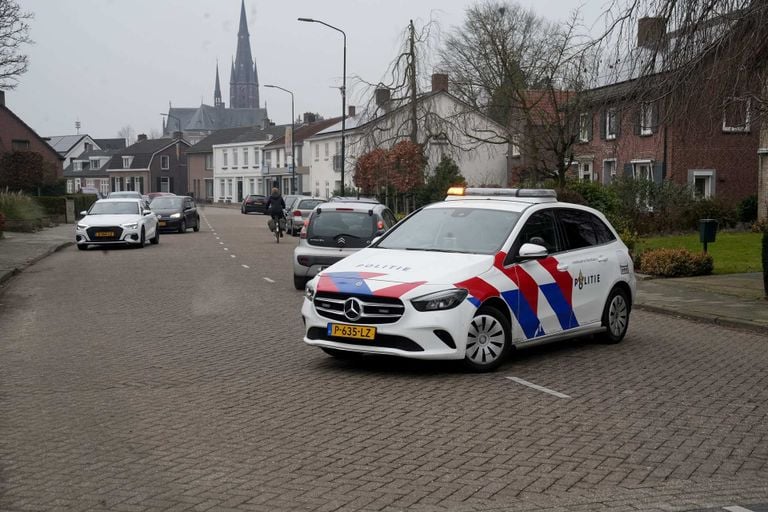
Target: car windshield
466,230
167,202
308,204
115,208
330,223
124,194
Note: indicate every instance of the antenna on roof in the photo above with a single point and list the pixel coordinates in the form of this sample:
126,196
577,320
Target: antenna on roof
77,126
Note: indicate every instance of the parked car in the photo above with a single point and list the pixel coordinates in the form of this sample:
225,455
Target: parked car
352,199
254,203
334,231
153,195
473,277
298,212
176,213
117,221
92,190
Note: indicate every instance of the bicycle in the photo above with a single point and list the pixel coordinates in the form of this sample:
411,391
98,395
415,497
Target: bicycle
278,228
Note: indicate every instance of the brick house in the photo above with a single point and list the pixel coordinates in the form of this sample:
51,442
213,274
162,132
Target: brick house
151,165
16,135
200,161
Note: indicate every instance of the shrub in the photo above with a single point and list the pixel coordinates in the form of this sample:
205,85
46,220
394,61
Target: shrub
82,202
747,209
2,223
18,206
675,263
52,206
596,196
722,210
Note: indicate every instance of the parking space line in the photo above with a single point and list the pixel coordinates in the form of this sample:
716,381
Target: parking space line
537,387
736,508
269,280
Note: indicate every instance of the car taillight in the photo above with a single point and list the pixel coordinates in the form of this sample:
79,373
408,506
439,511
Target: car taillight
380,225
303,260
297,213
303,233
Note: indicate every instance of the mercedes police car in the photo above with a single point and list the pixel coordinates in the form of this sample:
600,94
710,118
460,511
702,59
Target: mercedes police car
472,277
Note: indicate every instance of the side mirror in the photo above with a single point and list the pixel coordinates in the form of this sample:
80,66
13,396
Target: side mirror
146,212
83,213
531,252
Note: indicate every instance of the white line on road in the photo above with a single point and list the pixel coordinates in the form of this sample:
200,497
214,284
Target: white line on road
221,243
232,256
246,266
537,387
217,238
736,508
269,280
226,249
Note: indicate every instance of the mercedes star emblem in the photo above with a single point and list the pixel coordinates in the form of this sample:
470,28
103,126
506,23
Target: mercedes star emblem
353,309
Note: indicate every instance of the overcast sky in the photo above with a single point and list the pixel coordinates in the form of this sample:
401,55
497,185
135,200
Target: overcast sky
111,63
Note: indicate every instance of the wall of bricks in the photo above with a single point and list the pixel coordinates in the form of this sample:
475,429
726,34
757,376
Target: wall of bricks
11,128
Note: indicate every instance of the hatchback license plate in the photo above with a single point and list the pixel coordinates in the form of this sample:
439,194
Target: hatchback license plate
105,234
359,332
162,223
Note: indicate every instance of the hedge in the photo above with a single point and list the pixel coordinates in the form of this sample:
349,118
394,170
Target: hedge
675,263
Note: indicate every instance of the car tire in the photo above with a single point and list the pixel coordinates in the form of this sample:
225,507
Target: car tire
341,354
82,247
489,340
196,228
142,240
183,226
155,239
242,210
299,282
615,317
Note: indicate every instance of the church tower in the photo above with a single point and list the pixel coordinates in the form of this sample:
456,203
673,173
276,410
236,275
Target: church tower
217,90
243,82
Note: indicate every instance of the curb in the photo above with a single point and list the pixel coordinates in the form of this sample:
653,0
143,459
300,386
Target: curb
721,321
4,278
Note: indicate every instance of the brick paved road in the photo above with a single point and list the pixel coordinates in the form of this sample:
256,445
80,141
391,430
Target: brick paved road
174,378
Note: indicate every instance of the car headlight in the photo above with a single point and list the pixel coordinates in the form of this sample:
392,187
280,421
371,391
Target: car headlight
175,215
438,301
309,292
82,226
134,225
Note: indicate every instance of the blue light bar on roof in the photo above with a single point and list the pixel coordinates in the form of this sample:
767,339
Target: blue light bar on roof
511,192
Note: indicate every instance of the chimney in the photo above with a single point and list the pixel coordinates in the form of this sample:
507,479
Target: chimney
178,135
439,82
2,98
309,117
141,137
382,97
650,33
351,111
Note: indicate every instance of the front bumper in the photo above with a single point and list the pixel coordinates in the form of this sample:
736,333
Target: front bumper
415,335
169,224
97,235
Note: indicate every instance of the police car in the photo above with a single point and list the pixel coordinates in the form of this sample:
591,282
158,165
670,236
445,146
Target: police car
474,276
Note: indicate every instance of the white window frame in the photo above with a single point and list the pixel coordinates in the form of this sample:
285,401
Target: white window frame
234,158
710,179
95,163
209,162
165,184
326,151
78,184
90,182
104,186
77,165
245,157
646,119
70,186
611,113
222,189
317,151
127,161
514,146
636,166
612,173
165,162
224,158
744,128
586,164
584,120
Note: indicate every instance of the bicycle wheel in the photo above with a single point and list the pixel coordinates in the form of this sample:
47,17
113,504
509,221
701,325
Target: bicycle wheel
277,232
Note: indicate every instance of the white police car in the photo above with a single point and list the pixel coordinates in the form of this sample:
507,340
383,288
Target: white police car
474,276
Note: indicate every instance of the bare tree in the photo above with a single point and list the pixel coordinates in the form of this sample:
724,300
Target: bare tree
14,29
127,133
528,75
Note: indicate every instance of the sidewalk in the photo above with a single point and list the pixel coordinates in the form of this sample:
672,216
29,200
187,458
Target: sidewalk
20,250
733,300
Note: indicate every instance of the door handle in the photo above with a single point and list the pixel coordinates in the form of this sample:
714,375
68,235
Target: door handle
562,267
602,259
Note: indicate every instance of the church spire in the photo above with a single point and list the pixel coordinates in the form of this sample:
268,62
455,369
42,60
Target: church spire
217,89
243,85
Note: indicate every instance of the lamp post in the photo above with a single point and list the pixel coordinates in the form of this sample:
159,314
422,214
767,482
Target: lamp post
343,95
178,121
293,141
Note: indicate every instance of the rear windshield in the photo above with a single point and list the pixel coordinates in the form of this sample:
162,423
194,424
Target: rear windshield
308,204
355,228
167,202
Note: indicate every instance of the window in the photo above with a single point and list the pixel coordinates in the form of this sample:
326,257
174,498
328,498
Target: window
209,161
327,186
256,157
127,162
702,182
585,171
326,151
229,188
317,189
736,115
646,119
643,171
317,152
245,157
540,229
514,146
77,165
585,127
138,184
583,229
251,186
87,147
165,162
611,123
225,158
78,185
70,187
268,159
95,163
234,157
90,182
609,170
279,158
20,145
104,187
165,184
338,148
222,192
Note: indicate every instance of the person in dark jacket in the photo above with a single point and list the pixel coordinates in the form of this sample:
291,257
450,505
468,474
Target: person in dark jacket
276,209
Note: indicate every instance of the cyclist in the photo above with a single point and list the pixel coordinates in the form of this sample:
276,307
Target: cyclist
276,208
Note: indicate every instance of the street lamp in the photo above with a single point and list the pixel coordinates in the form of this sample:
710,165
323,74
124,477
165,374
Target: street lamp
343,94
293,141
174,117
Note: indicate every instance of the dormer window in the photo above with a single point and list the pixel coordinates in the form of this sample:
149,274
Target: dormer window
77,165
95,163
127,160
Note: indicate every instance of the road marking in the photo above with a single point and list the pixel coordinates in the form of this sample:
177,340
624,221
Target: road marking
537,387
226,249
221,243
217,238
246,266
269,280
232,256
736,508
